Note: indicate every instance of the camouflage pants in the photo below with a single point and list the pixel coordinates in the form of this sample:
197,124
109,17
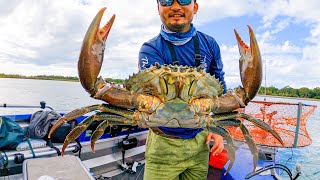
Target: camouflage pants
176,159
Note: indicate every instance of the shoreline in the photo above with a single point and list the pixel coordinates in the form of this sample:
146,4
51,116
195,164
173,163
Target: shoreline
287,97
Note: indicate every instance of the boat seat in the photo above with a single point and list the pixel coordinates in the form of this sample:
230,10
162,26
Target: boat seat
67,167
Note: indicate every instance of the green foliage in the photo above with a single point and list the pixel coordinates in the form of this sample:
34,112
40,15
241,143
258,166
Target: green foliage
288,91
118,81
40,77
52,77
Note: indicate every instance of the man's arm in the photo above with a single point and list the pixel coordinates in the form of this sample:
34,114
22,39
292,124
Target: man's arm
215,69
216,65
148,55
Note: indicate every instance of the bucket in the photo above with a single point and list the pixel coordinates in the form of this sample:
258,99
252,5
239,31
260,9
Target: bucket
218,161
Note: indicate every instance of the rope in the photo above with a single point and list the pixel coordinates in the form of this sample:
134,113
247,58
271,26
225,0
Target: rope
31,149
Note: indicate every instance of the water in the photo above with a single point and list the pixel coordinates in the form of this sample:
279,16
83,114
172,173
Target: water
308,157
60,95
66,96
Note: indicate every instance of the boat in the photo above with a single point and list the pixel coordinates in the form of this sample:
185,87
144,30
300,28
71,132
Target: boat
119,153
119,150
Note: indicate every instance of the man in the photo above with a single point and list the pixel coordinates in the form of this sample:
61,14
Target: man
180,153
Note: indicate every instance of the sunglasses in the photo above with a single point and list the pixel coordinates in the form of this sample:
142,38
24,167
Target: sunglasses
170,2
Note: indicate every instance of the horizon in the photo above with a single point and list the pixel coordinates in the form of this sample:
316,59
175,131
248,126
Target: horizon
262,86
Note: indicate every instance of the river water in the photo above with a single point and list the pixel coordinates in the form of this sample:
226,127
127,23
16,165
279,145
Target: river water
65,96
60,95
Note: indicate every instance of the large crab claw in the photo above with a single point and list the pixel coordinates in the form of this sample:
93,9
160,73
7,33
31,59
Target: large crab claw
92,51
250,66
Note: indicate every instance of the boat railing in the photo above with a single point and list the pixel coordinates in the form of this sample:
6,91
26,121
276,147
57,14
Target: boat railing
42,106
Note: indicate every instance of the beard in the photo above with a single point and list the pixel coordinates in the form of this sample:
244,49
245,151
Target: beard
176,27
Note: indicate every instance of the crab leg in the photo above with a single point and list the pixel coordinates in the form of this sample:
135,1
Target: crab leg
251,144
117,116
98,133
76,132
246,134
81,111
261,124
109,119
72,115
250,66
252,119
230,146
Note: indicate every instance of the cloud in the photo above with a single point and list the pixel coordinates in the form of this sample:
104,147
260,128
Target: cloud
44,37
45,33
215,10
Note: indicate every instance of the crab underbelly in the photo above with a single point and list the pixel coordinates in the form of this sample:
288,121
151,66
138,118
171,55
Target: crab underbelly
175,113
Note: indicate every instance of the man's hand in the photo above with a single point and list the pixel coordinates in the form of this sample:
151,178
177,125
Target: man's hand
217,145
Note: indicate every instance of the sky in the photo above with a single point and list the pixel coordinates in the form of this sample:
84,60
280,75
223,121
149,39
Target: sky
44,37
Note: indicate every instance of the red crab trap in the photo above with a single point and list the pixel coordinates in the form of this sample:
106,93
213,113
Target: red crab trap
280,116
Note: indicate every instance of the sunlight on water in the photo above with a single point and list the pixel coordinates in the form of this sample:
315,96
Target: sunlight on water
66,96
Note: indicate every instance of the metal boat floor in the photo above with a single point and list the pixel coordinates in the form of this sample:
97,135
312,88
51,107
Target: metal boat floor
213,174
122,175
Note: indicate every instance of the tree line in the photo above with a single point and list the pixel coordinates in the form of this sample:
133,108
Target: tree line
287,91
41,77
53,77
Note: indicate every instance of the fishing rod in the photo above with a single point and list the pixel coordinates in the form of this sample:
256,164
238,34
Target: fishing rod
42,106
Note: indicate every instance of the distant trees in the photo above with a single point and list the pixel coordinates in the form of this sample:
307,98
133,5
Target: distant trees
41,77
118,81
52,77
288,91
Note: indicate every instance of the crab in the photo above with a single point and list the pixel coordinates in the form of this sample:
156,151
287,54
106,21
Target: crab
166,95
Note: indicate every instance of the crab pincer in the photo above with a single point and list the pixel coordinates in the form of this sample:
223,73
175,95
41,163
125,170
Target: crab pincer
92,52
250,66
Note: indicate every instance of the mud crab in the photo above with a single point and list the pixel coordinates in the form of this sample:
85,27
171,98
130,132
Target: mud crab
167,95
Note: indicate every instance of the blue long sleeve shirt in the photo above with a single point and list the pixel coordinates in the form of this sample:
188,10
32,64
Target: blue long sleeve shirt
156,50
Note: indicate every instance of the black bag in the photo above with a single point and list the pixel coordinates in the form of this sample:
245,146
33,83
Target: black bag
60,134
